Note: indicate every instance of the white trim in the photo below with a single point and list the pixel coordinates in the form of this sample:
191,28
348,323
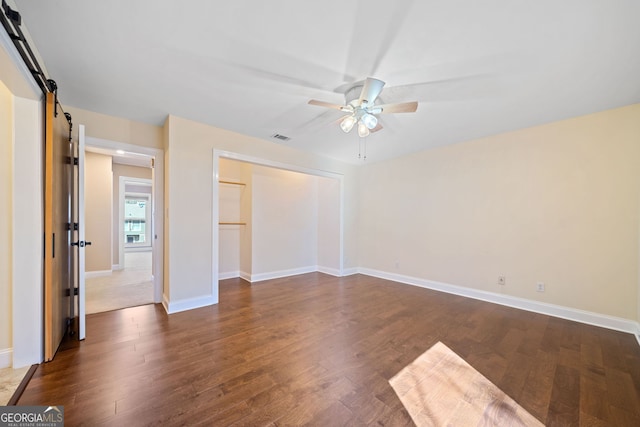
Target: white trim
582,316
107,144
228,275
117,267
245,276
328,270
279,274
26,234
187,304
350,271
278,165
81,212
97,273
6,358
282,273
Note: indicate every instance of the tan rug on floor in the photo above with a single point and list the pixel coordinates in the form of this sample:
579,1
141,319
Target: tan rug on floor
441,389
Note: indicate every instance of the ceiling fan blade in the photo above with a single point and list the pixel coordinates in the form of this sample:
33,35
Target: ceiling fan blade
370,91
388,21
404,107
461,88
377,128
326,118
326,104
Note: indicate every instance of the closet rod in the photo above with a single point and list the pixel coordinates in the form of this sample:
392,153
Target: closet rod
231,182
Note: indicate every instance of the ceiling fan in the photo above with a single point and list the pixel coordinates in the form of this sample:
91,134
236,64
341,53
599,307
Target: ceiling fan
361,108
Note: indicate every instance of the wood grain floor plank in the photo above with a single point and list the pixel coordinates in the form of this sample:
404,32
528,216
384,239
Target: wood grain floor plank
565,397
319,350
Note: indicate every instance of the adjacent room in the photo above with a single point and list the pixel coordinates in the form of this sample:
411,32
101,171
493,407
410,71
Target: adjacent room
118,200
321,213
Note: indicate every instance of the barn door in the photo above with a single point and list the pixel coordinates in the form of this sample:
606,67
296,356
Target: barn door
58,279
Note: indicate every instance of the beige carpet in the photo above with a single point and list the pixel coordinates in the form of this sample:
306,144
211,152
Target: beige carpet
129,287
441,389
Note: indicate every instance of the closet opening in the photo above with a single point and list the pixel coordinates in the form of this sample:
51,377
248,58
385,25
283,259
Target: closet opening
274,220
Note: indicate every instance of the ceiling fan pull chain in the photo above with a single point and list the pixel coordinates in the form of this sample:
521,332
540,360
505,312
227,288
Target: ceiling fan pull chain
365,148
362,147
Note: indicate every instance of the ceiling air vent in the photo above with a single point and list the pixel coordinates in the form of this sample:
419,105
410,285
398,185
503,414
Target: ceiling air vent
280,137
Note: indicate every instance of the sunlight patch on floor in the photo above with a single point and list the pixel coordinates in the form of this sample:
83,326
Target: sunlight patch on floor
439,388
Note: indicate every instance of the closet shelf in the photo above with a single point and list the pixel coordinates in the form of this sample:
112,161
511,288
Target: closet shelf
231,182
232,223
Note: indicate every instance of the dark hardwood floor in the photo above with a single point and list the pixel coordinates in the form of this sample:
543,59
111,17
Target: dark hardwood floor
319,350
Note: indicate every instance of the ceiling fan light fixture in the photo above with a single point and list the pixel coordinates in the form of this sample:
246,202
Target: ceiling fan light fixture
347,123
369,120
363,130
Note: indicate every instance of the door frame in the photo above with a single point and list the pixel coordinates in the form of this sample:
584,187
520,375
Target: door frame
157,200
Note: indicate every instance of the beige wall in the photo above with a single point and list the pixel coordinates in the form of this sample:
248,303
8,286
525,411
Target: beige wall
328,224
98,211
6,203
117,129
284,221
557,203
190,167
130,172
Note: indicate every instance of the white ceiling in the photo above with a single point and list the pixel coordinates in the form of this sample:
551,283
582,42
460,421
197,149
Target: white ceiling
476,68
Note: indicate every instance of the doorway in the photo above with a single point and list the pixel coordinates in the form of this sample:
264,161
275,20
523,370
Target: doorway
133,275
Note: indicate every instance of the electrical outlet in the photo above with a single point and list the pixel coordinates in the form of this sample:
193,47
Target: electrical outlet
502,280
540,287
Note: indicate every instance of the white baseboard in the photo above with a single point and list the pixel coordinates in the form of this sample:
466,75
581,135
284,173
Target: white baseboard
328,270
350,271
582,316
6,358
286,273
245,276
97,273
172,307
116,267
229,275
282,273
